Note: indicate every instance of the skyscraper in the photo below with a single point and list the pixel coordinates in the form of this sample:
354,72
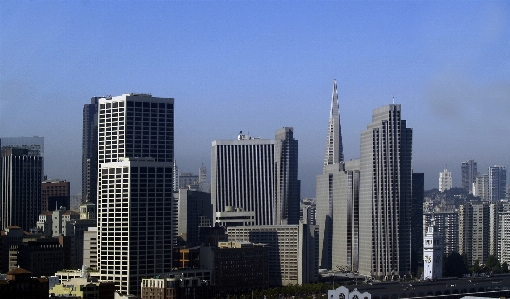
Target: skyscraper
89,152
385,195
497,183
474,231
135,152
334,147
21,178
257,175
445,180
335,184
469,173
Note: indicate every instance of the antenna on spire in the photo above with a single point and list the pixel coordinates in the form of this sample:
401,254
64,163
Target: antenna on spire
393,100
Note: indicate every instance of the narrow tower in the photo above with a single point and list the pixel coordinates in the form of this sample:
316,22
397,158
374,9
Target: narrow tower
334,148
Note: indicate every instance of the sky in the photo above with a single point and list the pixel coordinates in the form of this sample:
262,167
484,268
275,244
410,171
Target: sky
257,66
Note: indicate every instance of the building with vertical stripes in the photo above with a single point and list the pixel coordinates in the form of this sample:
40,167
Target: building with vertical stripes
385,195
257,175
135,200
21,187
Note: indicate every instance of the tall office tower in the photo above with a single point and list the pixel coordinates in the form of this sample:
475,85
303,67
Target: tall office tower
445,180
135,152
447,224
21,176
385,195
469,174
337,210
481,188
246,173
288,187
418,187
325,192
55,194
89,152
496,208
497,183
334,148
474,231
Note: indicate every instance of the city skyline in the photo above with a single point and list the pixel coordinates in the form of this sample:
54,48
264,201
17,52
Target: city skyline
446,63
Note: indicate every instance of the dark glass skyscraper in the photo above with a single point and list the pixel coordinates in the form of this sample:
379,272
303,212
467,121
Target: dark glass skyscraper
89,152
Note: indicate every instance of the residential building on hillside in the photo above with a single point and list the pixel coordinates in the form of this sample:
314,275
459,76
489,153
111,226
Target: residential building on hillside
445,180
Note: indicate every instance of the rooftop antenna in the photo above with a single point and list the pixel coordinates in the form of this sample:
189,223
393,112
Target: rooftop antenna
393,100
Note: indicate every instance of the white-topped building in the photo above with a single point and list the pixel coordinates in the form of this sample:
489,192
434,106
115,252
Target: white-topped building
445,180
432,253
135,200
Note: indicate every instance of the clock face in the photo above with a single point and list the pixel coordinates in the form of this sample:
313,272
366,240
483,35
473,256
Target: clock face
428,258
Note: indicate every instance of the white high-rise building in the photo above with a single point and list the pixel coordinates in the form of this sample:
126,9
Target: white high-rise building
136,152
385,195
445,180
257,175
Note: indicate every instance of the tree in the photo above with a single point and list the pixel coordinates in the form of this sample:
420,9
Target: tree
454,266
504,267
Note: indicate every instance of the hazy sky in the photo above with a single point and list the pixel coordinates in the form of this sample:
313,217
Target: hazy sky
257,66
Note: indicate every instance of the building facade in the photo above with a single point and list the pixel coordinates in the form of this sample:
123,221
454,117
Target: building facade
469,173
135,200
89,151
385,195
447,225
474,231
293,249
56,194
21,178
194,210
497,183
445,180
257,175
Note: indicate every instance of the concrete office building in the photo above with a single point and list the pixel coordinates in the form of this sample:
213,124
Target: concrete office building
257,175
481,188
293,249
21,178
497,183
445,180
90,248
89,151
385,195
469,173
135,200
328,184
55,194
474,233
234,217
447,225
194,211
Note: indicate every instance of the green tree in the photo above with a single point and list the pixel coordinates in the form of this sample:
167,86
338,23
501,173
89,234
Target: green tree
454,266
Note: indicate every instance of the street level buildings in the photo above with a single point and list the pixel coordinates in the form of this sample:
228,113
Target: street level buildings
293,249
135,200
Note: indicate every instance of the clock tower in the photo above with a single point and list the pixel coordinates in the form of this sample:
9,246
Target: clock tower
432,253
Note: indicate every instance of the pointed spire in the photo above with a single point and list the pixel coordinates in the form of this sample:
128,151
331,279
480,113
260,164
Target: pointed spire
334,148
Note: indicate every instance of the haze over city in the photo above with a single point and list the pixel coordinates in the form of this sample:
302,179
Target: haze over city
258,66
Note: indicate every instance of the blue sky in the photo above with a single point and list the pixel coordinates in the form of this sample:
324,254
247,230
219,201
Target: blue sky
257,66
